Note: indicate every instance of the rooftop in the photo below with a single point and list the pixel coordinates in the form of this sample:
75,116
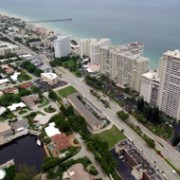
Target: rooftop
2,110
15,106
51,130
92,67
14,77
42,119
30,100
80,107
76,172
174,54
151,75
2,81
25,85
49,75
140,161
60,141
10,90
4,127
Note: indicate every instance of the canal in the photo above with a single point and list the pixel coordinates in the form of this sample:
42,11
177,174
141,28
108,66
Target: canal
24,151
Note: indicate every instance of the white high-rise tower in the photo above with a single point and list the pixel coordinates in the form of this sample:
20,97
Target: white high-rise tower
62,46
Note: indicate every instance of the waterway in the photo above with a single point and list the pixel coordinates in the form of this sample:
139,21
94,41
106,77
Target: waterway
24,151
153,22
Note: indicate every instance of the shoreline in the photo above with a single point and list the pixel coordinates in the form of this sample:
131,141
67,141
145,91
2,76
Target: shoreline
153,64
40,25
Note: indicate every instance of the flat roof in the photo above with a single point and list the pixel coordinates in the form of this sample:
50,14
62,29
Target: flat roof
141,162
174,54
49,75
4,127
14,106
2,173
79,106
151,75
43,119
2,81
2,110
51,130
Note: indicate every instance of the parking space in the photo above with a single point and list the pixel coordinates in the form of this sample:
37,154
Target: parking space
44,86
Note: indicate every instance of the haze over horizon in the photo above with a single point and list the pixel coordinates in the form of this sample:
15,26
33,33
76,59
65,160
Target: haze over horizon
154,23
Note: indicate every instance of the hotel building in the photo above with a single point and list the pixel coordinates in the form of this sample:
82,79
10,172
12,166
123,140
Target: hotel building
6,48
62,46
150,87
91,48
169,87
124,64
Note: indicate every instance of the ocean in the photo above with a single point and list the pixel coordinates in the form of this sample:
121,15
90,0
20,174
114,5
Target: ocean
155,22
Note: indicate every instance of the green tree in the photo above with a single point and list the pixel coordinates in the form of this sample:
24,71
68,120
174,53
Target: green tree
10,173
52,95
122,115
25,173
149,141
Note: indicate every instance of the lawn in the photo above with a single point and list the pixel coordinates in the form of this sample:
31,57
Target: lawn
111,136
43,102
67,91
50,109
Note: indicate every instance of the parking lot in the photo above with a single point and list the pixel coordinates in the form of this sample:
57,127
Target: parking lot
44,87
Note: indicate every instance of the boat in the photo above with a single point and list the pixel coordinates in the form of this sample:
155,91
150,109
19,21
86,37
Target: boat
38,142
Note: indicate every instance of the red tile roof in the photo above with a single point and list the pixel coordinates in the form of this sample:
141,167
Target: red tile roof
10,90
60,141
25,85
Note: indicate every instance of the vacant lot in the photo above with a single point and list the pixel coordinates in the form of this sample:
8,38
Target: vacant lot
111,136
67,91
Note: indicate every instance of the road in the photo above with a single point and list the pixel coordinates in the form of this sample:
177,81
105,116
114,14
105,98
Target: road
150,154
85,152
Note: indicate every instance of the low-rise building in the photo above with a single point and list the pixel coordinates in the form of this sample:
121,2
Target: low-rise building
51,130
7,70
2,110
50,78
42,119
91,69
5,131
16,106
14,77
76,172
60,142
25,85
4,82
142,169
11,90
90,118
30,100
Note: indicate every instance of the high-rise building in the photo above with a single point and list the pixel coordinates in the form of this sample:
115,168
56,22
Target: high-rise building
85,46
6,48
169,87
95,49
124,64
91,48
62,46
149,87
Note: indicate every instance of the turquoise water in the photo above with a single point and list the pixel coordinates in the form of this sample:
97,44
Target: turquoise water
155,22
